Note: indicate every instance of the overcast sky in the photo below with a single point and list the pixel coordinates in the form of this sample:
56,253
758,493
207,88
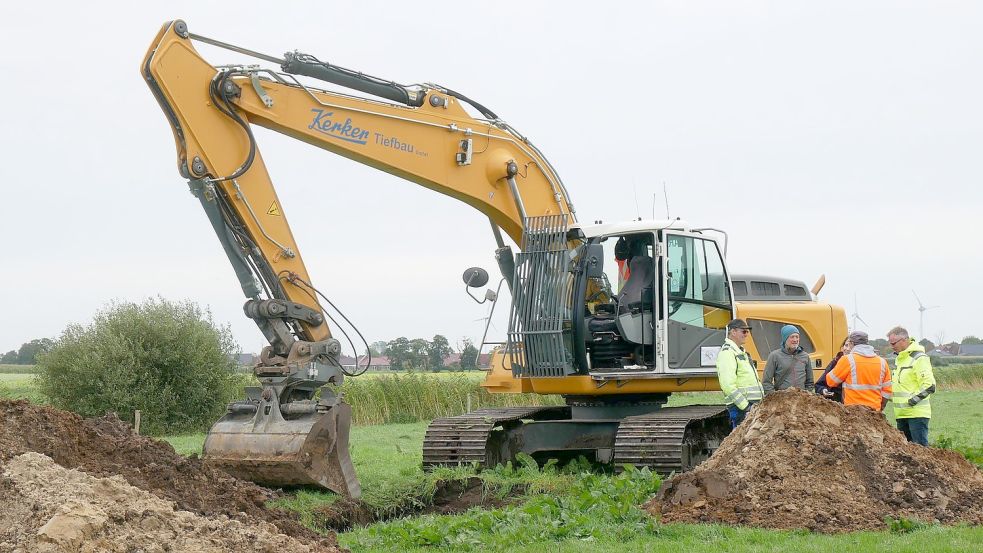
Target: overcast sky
842,138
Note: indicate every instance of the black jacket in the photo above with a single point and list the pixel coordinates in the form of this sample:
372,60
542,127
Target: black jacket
821,382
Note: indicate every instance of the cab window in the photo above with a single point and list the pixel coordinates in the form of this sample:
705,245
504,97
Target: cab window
697,282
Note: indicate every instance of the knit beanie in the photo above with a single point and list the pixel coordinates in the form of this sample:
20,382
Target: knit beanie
787,331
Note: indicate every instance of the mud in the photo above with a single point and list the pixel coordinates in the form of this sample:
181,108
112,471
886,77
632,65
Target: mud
450,497
106,446
799,461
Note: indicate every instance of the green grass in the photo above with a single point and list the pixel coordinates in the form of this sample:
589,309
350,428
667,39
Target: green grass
959,377
8,369
20,386
685,538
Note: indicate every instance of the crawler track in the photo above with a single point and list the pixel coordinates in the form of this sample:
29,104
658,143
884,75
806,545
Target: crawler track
674,439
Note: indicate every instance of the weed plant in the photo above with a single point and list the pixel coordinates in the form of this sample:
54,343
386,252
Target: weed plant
592,506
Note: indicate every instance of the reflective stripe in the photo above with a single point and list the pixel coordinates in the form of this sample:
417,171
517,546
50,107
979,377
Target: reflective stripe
734,395
885,384
849,386
902,395
834,378
853,369
883,370
886,395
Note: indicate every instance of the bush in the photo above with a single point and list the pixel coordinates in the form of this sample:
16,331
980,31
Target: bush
167,359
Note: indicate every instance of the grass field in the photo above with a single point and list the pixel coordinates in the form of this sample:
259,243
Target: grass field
388,457
576,510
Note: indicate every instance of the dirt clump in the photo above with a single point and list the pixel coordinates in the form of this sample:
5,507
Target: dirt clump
800,461
48,508
106,446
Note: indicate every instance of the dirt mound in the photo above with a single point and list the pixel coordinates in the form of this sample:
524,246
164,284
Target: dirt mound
48,508
800,461
107,446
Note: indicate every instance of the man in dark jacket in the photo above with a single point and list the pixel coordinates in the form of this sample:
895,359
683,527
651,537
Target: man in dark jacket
788,366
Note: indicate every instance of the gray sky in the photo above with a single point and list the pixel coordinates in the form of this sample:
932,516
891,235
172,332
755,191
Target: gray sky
827,137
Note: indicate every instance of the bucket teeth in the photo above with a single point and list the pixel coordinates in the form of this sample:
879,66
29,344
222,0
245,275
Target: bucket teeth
310,449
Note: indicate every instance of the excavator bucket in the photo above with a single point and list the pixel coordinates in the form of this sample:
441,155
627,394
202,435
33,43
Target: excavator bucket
257,443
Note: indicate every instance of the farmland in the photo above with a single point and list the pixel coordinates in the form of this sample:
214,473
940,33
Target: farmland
556,508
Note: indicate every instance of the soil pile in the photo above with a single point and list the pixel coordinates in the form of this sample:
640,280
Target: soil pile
106,446
800,461
48,508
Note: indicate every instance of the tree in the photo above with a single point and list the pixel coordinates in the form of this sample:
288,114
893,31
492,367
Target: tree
167,359
398,351
971,341
437,350
881,346
927,344
9,358
469,356
418,353
378,348
28,352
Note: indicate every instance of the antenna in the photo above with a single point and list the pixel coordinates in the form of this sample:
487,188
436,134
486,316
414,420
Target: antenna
665,195
634,190
921,314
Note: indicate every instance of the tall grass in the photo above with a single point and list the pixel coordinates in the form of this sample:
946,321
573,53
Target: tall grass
960,377
412,397
17,369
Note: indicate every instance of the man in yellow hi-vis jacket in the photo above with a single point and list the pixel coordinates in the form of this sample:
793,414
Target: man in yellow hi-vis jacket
737,377
913,382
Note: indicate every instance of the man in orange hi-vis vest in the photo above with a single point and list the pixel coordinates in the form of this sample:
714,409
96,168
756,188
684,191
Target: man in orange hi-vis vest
864,376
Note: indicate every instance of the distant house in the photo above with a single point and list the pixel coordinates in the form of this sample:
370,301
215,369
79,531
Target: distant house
379,362
971,350
454,360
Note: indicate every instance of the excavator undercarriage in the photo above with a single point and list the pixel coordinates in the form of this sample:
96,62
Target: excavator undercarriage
665,440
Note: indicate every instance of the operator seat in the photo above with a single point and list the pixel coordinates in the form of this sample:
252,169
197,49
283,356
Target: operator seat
642,268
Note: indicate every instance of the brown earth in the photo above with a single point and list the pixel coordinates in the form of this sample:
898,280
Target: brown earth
106,446
800,461
48,508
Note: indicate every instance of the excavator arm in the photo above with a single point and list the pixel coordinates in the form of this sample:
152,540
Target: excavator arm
422,133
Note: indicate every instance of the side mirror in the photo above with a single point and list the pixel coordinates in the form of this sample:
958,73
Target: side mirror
475,277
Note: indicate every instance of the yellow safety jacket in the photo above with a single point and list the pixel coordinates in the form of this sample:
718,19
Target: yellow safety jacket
737,377
913,379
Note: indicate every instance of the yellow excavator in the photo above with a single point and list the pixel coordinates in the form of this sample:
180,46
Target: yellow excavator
612,316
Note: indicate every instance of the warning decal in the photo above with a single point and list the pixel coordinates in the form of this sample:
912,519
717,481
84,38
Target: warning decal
274,210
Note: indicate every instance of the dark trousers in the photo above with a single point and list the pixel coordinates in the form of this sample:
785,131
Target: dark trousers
736,415
915,429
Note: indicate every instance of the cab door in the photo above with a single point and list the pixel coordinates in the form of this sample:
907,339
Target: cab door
698,301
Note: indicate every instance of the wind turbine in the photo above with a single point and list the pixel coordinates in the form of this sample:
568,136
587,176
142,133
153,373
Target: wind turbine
921,315
856,315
